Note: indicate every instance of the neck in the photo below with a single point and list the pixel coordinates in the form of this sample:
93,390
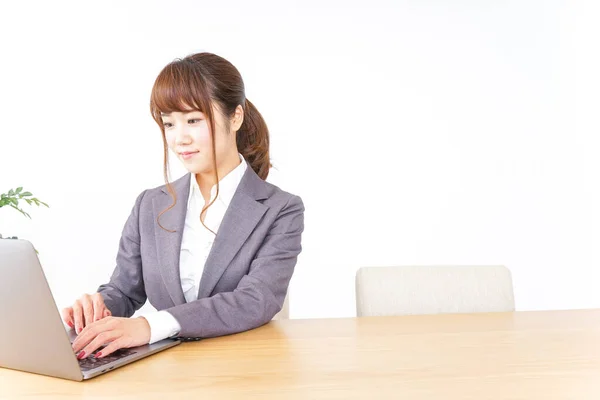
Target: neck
207,180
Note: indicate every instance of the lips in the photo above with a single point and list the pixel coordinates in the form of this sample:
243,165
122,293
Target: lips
188,154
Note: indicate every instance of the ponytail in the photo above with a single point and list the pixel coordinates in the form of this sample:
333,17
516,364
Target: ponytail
253,140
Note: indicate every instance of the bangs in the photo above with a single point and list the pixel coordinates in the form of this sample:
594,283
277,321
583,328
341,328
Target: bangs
179,87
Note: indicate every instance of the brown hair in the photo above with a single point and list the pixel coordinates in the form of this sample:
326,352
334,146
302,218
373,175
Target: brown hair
195,82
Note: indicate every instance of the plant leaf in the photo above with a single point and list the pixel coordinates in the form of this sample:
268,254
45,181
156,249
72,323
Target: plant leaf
11,192
21,211
28,201
25,194
44,204
19,190
14,201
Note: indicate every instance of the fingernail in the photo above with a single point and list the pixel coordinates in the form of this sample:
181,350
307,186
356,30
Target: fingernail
70,324
98,355
79,330
81,355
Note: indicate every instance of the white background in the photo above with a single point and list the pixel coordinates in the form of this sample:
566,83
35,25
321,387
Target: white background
416,132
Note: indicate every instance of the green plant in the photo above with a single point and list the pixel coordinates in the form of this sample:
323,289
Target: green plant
12,199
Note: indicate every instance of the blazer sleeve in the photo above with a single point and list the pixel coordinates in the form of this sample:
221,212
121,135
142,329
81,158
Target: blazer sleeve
260,294
125,292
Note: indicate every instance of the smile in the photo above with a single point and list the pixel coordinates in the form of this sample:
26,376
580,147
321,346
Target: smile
188,154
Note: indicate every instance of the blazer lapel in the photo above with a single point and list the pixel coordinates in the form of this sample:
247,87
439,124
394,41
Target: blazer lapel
168,244
242,216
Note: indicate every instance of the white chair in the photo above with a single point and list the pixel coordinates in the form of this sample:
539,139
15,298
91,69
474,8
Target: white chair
284,313
407,290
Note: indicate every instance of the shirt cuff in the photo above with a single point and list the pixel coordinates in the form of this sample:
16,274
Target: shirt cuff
162,325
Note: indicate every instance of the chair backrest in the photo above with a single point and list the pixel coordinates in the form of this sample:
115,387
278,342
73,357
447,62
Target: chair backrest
284,313
406,290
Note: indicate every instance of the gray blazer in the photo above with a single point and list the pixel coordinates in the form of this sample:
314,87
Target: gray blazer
247,272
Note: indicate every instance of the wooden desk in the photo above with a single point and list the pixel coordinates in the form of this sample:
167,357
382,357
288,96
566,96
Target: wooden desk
524,355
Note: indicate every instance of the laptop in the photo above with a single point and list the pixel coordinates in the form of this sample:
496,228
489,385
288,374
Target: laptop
33,337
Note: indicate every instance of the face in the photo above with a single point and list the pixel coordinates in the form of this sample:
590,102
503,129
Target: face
188,137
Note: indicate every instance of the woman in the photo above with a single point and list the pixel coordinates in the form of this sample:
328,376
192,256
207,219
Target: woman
214,251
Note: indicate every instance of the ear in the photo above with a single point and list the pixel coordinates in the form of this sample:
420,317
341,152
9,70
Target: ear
238,118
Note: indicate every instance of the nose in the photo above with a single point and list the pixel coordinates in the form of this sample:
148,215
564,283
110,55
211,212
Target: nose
182,136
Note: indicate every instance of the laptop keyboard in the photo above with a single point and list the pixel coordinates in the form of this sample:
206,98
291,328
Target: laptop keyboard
92,362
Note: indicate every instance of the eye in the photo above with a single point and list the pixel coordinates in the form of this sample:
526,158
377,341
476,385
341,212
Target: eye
193,121
167,124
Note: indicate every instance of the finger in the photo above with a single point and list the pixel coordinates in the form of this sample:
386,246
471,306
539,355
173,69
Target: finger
90,332
67,316
88,310
78,316
113,346
107,313
101,339
86,336
98,307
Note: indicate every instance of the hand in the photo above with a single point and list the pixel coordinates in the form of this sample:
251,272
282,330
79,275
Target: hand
116,333
86,310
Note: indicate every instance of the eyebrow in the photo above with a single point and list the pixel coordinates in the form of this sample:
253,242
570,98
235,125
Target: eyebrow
162,114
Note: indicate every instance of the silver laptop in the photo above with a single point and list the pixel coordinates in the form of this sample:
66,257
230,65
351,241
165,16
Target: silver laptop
33,337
